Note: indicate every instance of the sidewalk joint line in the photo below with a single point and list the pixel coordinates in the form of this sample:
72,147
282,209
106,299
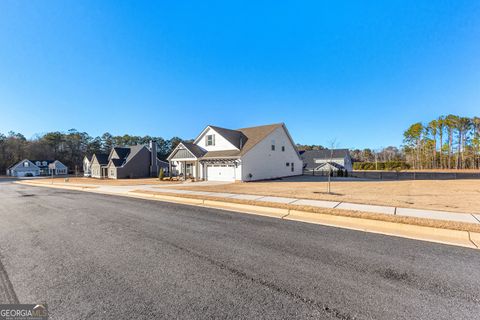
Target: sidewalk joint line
395,211
337,205
475,217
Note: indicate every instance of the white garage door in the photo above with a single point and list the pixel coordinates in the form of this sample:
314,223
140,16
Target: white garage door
221,172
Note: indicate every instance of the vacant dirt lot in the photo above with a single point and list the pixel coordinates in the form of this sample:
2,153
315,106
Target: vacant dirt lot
448,195
110,182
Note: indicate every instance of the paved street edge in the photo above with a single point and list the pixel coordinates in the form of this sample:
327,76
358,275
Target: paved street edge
439,235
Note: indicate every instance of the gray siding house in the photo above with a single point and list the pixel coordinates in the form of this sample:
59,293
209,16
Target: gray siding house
23,168
138,161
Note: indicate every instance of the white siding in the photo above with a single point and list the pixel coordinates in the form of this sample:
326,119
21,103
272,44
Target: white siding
345,162
86,167
263,163
220,142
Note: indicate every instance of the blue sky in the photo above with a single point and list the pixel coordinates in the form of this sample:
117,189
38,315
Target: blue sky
359,72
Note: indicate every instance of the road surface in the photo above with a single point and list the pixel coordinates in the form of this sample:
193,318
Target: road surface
92,256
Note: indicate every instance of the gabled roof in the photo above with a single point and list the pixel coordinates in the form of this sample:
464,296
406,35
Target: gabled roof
88,157
133,150
102,158
310,156
125,154
331,163
235,137
194,149
256,134
41,163
122,152
244,139
117,162
325,154
57,163
15,165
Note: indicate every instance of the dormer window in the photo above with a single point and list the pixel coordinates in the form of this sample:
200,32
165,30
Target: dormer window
44,163
210,140
37,163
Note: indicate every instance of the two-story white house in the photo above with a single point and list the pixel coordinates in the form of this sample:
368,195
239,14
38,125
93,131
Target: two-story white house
247,154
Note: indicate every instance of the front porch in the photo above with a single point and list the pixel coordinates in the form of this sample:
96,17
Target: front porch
212,169
186,169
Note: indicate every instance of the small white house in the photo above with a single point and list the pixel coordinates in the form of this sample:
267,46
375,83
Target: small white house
87,166
58,168
327,160
247,154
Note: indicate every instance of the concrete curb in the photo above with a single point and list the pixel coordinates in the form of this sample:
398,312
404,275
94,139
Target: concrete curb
445,236
73,187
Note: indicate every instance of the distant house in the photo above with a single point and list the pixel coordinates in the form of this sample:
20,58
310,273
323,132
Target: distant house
247,154
33,168
138,161
47,166
87,165
98,165
326,160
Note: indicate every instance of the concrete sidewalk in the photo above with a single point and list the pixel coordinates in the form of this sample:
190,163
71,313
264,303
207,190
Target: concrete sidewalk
387,210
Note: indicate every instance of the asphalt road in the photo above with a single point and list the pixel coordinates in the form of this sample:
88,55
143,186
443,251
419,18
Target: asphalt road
91,256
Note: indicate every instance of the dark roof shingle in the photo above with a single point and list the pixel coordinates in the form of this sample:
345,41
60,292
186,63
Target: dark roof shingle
102,158
194,149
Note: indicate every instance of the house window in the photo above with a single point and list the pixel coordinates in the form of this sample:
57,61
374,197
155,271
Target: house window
26,164
210,140
283,148
273,145
288,164
37,163
293,168
44,163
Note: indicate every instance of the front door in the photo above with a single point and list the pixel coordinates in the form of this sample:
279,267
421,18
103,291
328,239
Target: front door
189,170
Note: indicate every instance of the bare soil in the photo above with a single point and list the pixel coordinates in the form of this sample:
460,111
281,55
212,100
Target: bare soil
447,195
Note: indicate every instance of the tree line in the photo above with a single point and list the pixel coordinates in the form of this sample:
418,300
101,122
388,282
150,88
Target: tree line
70,147
448,142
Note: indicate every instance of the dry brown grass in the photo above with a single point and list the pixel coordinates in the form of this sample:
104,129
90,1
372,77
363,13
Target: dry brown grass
337,212
447,195
107,182
444,170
